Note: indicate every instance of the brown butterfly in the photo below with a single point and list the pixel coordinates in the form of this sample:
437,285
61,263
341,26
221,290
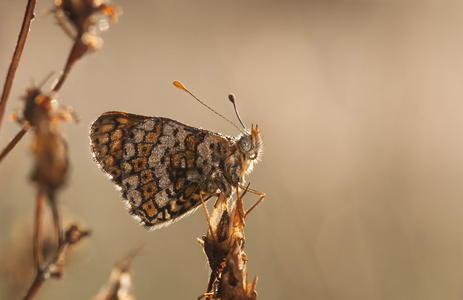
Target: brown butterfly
164,168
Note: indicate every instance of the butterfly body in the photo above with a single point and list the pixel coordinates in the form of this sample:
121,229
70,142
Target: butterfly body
164,167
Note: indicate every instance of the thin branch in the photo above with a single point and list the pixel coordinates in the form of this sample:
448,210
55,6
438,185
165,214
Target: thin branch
37,248
56,219
13,143
28,17
35,287
78,49
120,280
54,269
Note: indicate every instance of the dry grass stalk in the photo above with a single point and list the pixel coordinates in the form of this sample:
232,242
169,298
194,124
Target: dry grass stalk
42,115
28,17
224,248
50,152
54,268
120,280
82,16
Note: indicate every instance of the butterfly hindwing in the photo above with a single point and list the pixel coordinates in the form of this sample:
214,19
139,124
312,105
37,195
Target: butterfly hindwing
107,136
164,166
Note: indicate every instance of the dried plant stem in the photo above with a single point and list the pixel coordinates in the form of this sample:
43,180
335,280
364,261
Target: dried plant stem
35,287
54,268
13,142
224,248
56,220
78,49
37,245
37,249
28,17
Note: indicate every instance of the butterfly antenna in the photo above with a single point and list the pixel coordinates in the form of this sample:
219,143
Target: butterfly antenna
180,86
233,100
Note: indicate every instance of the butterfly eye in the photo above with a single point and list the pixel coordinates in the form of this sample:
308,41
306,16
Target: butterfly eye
245,143
253,156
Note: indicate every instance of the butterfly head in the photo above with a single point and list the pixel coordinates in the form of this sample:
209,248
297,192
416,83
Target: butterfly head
250,146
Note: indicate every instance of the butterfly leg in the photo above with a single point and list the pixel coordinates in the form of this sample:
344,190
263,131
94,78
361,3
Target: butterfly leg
239,202
262,196
208,217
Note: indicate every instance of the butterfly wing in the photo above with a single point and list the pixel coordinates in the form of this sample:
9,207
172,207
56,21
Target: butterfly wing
107,135
164,165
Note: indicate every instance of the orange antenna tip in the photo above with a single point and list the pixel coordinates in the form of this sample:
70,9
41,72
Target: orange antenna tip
179,85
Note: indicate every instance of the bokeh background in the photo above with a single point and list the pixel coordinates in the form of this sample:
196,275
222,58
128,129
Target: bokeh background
360,104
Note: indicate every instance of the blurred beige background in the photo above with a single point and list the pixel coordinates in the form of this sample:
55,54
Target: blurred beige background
360,104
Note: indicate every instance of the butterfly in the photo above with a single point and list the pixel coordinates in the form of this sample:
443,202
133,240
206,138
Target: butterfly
164,168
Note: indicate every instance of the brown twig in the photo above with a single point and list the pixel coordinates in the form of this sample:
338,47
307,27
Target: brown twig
34,288
81,14
78,49
13,142
56,219
48,145
120,279
28,17
224,248
54,269
37,248
83,18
